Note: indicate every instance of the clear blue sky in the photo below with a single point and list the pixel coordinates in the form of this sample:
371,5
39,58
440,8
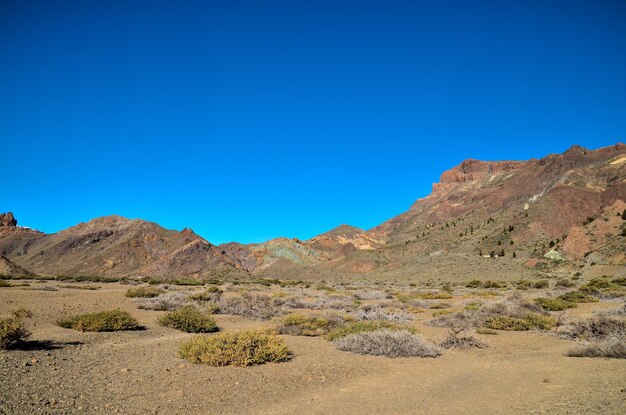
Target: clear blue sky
251,120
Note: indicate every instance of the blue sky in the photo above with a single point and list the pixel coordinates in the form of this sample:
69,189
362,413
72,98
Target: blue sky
252,120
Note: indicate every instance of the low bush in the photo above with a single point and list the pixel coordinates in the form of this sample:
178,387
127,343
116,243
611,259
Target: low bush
379,313
112,320
13,329
144,292
212,294
234,349
530,321
433,295
597,328
483,330
455,341
613,348
81,287
356,327
541,284
577,297
564,283
172,300
554,304
474,284
390,343
300,325
190,320
253,306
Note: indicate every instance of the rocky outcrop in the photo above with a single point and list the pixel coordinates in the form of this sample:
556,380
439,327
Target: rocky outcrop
7,219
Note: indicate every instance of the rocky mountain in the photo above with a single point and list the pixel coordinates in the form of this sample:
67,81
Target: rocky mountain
115,246
561,213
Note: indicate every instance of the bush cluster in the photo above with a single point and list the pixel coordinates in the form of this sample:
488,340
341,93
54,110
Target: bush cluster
190,320
112,320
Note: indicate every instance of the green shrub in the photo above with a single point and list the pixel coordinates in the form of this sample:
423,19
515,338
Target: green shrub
554,304
474,284
81,287
144,292
234,349
4,284
365,326
530,321
577,297
564,283
619,281
541,284
190,320
433,295
112,320
299,325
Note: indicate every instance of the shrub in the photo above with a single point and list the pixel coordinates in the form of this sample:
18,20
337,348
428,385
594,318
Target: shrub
299,325
577,297
13,330
356,327
259,307
564,283
474,284
390,343
144,292
112,320
598,328
210,294
234,349
431,295
168,301
81,287
482,330
529,322
614,348
378,313
541,284
454,341
190,320
4,284
554,304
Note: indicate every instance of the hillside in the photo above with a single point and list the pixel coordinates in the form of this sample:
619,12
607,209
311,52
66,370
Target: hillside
558,214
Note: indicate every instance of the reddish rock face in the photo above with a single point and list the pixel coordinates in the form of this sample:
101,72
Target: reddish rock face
7,219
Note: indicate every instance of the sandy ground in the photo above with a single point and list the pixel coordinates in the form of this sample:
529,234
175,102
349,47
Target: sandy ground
139,372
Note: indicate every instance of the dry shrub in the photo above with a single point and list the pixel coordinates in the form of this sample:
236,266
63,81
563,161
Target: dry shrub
112,320
530,321
368,313
455,341
13,330
614,348
190,320
255,306
597,328
390,343
168,301
554,304
300,325
235,349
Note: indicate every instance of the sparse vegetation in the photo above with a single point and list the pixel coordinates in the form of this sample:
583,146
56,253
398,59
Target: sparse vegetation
234,349
554,304
112,320
255,306
390,343
190,320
